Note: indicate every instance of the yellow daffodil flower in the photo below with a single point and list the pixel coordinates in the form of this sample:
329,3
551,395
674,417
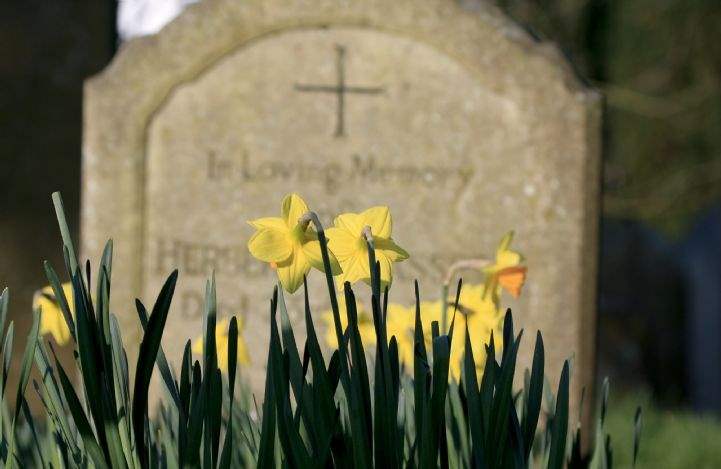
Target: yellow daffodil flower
401,324
482,315
506,272
52,320
291,248
221,344
365,325
347,242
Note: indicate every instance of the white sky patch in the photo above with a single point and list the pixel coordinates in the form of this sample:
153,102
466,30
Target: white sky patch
144,17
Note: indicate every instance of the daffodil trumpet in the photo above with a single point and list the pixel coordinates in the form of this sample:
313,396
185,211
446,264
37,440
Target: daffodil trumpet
288,245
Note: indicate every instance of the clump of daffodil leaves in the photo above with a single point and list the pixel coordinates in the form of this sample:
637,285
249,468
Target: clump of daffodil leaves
436,391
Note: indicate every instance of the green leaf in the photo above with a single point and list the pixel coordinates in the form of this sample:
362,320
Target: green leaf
81,421
196,418
557,453
166,372
535,396
7,355
475,412
146,361
25,368
225,456
4,301
65,233
637,427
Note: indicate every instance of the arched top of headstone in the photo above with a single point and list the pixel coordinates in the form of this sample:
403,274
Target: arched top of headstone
478,36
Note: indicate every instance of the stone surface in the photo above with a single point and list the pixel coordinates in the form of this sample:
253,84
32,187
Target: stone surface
456,119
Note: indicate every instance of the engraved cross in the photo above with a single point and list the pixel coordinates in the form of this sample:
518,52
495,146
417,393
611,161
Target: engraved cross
340,89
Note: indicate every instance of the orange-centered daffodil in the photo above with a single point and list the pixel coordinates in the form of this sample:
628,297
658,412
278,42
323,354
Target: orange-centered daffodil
506,272
347,241
292,248
221,344
52,320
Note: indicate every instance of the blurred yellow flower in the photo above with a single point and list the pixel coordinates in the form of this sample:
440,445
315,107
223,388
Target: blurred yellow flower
291,248
506,272
221,344
347,242
52,320
365,324
401,324
482,315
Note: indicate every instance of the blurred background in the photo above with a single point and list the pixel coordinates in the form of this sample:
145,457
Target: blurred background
658,64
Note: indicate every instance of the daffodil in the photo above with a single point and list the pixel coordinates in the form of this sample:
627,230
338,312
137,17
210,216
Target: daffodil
477,310
347,241
481,313
290,247
506,272
52,320
221,344
366,328
401,324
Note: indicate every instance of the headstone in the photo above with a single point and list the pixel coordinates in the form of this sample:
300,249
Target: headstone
458,120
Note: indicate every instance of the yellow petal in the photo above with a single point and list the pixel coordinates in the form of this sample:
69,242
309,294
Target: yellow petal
292,272
197,347
270,245
342,242
507,259
355,268
390,249
293,208
379,219
52,322
312,252
352,222
273,223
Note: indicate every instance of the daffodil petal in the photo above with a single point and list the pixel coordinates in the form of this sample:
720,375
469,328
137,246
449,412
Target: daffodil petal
352,222
292,272
342,243
197,347
355,268
389,248
379,219
293,208
52,322
273,223
508,259
313,254
270,245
